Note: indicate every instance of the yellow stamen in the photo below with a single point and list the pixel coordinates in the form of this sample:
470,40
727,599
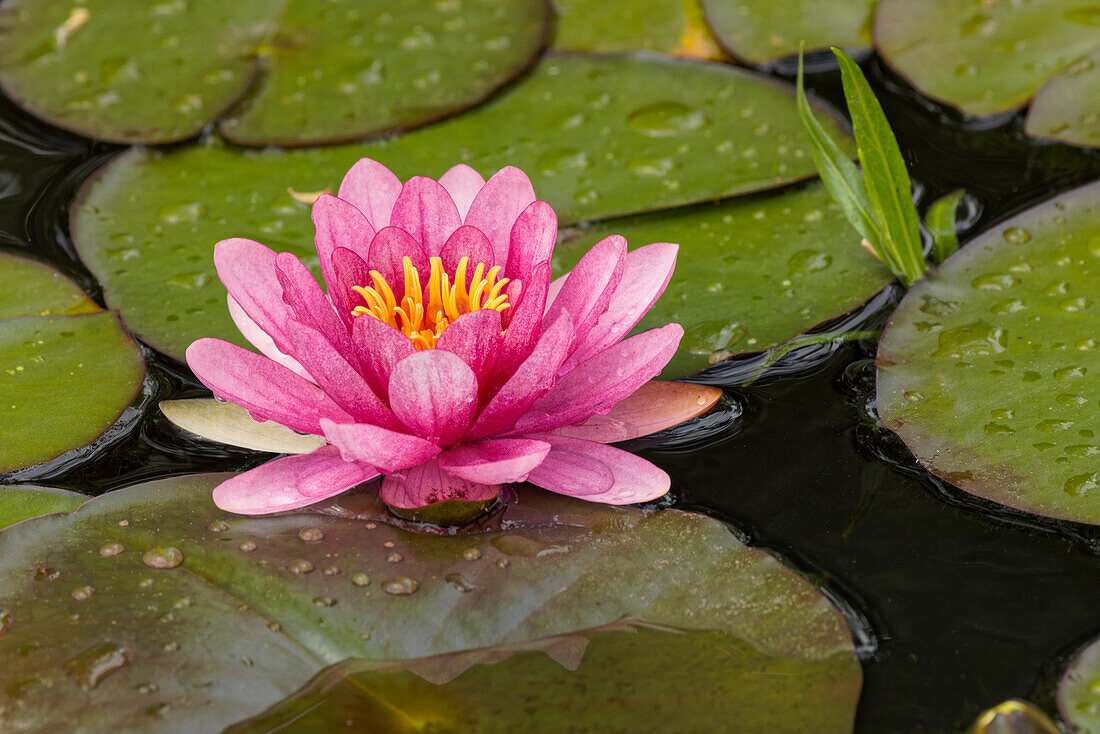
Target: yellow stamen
424,322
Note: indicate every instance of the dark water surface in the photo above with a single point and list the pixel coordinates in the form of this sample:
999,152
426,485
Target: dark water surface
957,604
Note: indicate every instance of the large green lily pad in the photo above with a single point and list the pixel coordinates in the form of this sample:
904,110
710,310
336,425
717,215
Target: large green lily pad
667,26
225,615
1067,107
307,70
599,136
1079,691
751,273
984,57
990,368
19,502
67,368
760,31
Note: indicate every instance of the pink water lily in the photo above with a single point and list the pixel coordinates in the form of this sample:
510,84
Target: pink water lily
440,354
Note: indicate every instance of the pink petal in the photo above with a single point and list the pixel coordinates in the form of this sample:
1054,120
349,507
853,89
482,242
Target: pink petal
258,338
372,189
580,468
531,380
467,241
379,347
462,183
494,460
475,337
338,224
264,388
427,484
498,204
425,210
247,269
597,384
387,252
309,304
434,393
350,270
654,407
646,272
339,379
387,450
291,482
588,288
532,239
525,324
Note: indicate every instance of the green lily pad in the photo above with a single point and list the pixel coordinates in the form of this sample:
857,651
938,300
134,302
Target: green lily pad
983,58
751,273
19,502
307,70
66,371
599,136
1067,107
666,26
1078,693
226,615
760,31
990,367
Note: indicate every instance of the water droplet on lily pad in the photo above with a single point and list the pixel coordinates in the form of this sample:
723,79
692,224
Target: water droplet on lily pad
400,585
162,558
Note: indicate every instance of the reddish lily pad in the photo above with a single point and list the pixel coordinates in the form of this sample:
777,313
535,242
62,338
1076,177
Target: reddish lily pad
1067,107
983,58
1079,691
19,502
599,136
225,615
760,31
751,273
990,367
306,70
67,368
673,27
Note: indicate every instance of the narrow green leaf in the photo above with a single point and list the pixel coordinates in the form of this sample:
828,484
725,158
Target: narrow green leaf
940,221
839,174
884,173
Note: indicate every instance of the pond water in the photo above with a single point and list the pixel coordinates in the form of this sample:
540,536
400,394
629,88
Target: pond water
957,604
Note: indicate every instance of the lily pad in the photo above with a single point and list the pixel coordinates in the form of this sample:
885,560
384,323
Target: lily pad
19,502
599,136
760,31
1067,106
308,70
67,368
990,367
751,273
228,615
1079,691
983,58
673,27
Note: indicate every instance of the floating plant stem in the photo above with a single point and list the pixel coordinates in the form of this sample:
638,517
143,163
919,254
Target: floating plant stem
940,221
877,200
774,356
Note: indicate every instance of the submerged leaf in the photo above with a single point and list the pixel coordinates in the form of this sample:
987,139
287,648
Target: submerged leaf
940,221
19,502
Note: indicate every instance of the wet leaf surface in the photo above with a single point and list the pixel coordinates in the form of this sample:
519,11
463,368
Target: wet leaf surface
308,70
599,136
760,31
19,502
67,368
751,273
251,608
666,26
989,368
983,58
1067,106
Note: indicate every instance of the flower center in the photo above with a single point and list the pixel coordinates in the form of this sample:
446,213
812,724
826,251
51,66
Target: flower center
446,301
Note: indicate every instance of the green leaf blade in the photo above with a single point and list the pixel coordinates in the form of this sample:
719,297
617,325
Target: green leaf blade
940,221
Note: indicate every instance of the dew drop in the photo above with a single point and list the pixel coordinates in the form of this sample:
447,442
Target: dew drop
162,557
360,579
218,526
400,586
93,665
665,119
1082,484
1016,235
459,581
82,593
311,535
330,570
247,546
299,567
324,601
111,549
394,558
471,554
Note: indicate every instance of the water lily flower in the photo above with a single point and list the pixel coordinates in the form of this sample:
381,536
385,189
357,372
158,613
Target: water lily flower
439,354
